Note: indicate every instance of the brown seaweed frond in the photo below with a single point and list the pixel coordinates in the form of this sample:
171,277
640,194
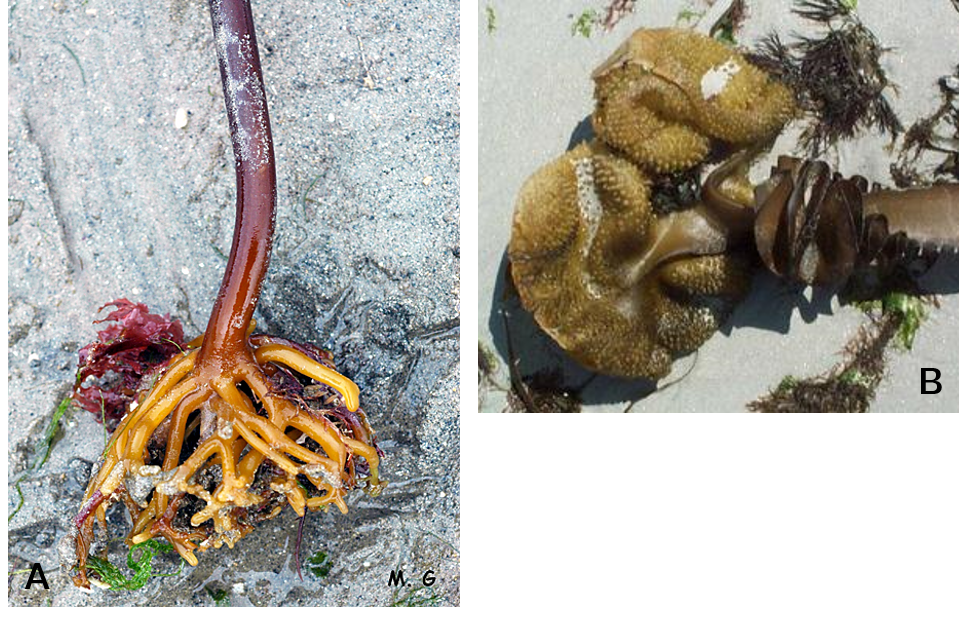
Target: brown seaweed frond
542,392
615,12
836,76
823,10
937,133
850,386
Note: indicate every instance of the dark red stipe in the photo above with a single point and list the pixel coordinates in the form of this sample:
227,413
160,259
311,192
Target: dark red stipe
251,138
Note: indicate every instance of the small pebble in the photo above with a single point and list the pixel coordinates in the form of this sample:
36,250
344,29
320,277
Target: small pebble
181,119
238,588
427,180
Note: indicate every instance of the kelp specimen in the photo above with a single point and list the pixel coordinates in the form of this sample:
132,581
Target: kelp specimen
622,288
619,287
237,424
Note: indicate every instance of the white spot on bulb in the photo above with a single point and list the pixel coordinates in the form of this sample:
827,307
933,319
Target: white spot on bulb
716,79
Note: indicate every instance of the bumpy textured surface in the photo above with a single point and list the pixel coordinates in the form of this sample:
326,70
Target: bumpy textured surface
582,230
665,93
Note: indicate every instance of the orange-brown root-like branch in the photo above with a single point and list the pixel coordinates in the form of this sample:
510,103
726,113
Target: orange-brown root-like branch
207,454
